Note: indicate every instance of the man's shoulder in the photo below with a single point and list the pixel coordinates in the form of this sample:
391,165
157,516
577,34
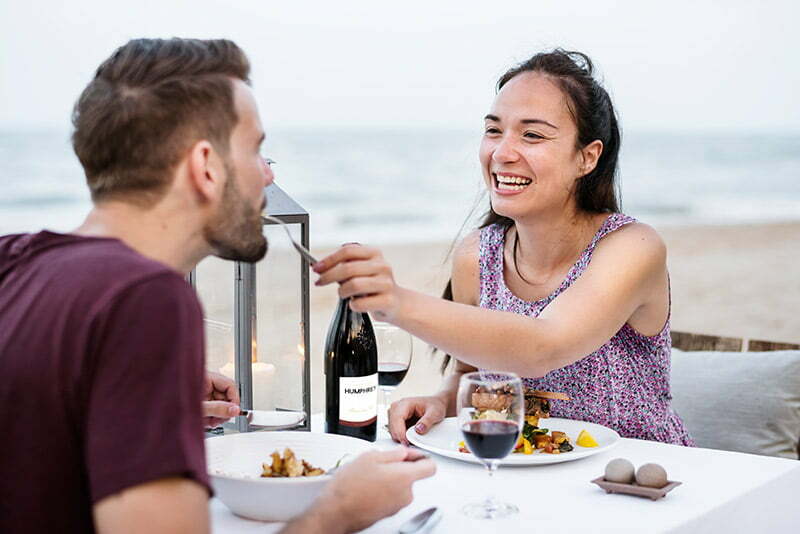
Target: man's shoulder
99,256
110,269
81,269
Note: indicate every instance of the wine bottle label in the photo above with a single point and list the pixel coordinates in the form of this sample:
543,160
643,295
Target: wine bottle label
358,400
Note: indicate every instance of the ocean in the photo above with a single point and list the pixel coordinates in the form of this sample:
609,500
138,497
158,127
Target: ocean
393,186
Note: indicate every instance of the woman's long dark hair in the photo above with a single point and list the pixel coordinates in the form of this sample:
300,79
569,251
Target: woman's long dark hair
591,109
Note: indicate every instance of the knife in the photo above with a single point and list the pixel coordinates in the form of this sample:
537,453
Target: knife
422,522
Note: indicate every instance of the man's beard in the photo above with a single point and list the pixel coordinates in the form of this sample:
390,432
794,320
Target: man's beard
235,232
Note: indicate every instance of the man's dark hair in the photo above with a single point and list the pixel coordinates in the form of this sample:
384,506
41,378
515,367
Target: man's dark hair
147,104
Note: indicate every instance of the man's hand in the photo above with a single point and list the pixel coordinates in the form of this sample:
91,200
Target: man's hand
221,399
375,485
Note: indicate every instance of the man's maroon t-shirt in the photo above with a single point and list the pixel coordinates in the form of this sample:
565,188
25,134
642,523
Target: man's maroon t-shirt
101,376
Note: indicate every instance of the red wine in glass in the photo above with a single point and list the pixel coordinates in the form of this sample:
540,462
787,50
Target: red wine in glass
490,407
490,440
391,373
394,358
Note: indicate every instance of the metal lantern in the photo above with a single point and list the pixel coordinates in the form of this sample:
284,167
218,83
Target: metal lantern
273,373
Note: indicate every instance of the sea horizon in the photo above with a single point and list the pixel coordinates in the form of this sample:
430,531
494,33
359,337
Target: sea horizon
394,185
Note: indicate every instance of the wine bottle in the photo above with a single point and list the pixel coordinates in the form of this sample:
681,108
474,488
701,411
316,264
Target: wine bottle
351,375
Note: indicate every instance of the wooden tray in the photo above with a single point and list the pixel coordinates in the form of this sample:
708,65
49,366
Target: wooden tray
635,489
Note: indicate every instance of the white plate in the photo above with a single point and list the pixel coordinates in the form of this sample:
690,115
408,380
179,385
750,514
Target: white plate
234,464
269,420
443,439
276,419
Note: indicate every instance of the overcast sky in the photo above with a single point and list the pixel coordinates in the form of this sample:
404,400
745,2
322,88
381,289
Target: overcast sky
670,66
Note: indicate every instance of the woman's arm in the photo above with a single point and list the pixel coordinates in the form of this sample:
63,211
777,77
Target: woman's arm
465,283
430,410
628,269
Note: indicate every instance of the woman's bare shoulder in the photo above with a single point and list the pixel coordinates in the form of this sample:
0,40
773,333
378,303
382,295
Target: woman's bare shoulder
637,239
468,248
631,249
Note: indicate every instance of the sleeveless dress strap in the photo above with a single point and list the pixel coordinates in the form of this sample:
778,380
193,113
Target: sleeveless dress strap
493,290
613,222
490,256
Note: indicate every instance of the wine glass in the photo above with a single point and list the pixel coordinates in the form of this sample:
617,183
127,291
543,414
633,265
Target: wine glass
395,348
490,407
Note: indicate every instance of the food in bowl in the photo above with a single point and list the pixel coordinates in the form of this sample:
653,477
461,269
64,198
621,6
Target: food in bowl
235,465
289,466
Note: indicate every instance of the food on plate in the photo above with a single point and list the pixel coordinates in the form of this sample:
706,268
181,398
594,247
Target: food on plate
619,470
494,405
491,415
538,438
289,466
496,401
537,404
586,440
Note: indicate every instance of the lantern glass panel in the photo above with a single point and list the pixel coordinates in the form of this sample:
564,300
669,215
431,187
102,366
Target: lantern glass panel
278,381
214,286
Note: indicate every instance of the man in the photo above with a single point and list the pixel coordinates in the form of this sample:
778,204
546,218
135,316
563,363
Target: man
101,342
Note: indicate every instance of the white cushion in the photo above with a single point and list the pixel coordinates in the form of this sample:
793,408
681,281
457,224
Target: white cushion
739,401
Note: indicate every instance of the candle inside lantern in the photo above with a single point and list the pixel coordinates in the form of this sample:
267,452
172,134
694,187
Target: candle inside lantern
228,370
263,387
290,385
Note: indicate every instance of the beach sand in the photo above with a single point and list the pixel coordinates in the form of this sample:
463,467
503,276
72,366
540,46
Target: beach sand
739,281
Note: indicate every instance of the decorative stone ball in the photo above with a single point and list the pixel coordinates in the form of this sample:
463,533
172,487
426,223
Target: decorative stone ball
619,470
652,476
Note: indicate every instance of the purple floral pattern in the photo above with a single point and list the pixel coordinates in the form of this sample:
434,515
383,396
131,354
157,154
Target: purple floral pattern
624,384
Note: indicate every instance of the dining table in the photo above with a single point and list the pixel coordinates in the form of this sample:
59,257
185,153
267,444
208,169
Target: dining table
720,491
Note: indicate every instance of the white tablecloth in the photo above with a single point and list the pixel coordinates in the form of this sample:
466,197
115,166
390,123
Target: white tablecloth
721,492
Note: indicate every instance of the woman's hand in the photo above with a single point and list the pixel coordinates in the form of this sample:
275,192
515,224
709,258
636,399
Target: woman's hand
429,410
364,276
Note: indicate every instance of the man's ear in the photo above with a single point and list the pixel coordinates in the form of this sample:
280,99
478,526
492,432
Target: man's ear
590,154
206,171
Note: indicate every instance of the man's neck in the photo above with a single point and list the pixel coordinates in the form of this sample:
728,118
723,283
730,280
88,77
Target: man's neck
158,233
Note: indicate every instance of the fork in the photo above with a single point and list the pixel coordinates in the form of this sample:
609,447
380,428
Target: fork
341,463
300,248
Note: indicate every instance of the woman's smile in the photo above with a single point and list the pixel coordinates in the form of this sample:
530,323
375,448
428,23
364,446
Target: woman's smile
506,183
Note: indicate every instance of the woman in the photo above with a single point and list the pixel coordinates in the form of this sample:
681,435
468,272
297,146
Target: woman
556,285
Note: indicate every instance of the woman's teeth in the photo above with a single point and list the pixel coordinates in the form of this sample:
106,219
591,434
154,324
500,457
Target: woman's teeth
512,183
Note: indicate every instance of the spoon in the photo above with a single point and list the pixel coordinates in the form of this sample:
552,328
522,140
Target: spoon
422,522
300,248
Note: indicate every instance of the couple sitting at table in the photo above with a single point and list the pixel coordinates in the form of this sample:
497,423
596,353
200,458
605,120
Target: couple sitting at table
101,337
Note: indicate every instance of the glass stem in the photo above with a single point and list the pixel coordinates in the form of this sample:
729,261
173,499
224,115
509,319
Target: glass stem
490,504
386,393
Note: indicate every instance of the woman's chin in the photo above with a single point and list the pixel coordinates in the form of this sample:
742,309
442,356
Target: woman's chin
509,207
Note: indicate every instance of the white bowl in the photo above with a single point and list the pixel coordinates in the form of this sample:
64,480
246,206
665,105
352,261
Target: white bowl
234,464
